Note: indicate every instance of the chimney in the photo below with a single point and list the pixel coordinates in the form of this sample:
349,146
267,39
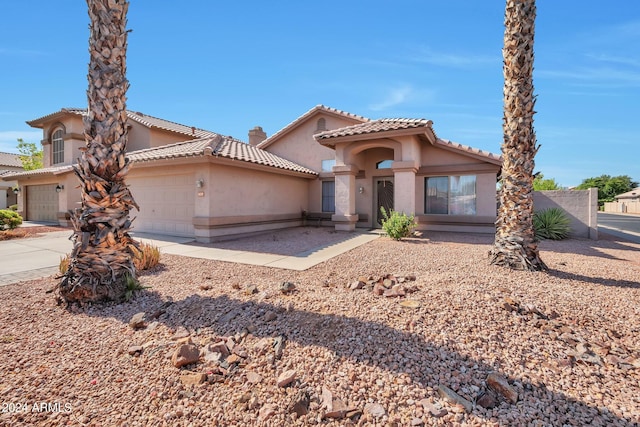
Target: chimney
256,136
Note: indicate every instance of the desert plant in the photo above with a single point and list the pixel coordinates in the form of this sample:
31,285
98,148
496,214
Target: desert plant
551,223
396,224
132,285
146,256
64,264
9,219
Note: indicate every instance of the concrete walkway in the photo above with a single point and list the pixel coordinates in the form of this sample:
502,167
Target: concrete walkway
33,258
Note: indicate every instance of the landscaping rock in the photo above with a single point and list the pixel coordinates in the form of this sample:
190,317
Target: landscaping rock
488,400
357,285
453,397
267,411
278,346
138,320
135,350
250,289
193,379
500,385
287,287
300,403
270,316
185,355
378,289
180,333
254,378
286,378
435,410
376,410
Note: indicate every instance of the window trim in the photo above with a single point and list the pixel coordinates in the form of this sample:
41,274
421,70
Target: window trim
451,198
57,147
325,198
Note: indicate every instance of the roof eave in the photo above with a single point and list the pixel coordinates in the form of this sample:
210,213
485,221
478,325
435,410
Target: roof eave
318,109
425,131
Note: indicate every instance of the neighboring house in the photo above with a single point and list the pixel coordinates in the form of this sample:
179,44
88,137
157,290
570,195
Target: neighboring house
326,167
9,163
629,196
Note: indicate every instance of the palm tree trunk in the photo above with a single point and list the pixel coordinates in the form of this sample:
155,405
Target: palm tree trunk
101,259
515,244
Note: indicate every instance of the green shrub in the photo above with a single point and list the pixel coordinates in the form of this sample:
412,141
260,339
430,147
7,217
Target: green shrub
9,219
551,223
132,286
397,225
13,208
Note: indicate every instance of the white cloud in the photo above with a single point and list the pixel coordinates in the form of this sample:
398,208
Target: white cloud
394,97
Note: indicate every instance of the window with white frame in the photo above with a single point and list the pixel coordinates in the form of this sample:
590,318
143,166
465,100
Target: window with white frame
450,195
57,144
328,196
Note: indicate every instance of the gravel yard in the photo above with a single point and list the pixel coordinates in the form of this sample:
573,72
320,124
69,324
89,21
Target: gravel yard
567,342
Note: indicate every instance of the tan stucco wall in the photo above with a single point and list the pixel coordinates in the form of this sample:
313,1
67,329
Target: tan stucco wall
581,206
240,192
299,146
432,155
141,137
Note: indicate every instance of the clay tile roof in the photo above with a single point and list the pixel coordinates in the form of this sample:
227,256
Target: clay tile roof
143,119
219,146
54,170
495,158
381,125
9,159
304,116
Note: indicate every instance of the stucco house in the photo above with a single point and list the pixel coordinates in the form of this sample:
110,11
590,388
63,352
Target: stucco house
629,196
326,167
9,163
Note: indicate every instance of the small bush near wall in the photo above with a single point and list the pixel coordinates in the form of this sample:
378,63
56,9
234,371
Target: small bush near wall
13,208
397,225
552,224
9,219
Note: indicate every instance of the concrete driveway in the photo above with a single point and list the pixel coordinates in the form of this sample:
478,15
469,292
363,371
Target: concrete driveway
626,226
33,258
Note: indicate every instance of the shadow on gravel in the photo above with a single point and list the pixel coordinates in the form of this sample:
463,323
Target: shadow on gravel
592,248
604,281
361,341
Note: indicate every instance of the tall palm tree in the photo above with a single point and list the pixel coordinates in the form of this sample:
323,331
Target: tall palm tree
101,260
515,244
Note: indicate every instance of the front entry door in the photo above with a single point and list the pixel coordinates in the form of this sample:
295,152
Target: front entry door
384,198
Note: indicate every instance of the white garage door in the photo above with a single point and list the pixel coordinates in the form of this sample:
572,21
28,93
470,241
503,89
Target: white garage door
42,203
166,204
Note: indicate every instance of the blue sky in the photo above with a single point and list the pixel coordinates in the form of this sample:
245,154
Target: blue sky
229,66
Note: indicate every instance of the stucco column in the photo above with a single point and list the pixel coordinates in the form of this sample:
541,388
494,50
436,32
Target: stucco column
345,217
404,177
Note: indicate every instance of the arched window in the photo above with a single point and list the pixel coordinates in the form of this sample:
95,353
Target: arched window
384,164
322,124
57,143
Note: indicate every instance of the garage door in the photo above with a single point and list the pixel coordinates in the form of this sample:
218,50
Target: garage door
166,204
42,203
